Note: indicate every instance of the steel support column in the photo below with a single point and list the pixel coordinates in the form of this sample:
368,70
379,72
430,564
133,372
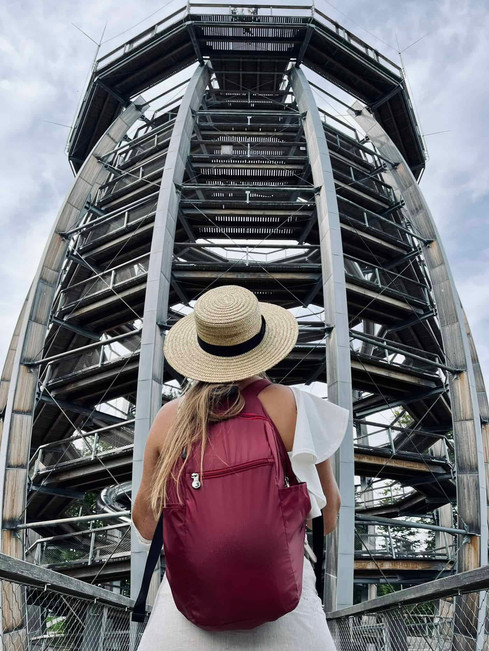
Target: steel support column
150,375
467,430
339,564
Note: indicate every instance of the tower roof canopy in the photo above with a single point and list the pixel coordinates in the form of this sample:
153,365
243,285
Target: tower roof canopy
248,47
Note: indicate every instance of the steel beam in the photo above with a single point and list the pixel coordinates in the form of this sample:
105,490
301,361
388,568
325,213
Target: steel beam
338,584
151,360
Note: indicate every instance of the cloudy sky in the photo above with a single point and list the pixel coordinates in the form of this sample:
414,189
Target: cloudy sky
45,61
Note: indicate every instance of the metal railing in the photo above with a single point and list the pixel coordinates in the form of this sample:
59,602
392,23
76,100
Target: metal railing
130,213
386,434
95,546
441,615
93,356
409,289
399,546
384,350
253,11
356,179
144,172
120,223
355,216
81,446
105,281
142,146
42,609
45,610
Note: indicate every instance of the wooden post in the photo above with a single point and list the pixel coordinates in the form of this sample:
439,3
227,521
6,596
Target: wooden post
463,389
19,384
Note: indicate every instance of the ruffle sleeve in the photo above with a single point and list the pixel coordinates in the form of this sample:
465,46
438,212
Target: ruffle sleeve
320,428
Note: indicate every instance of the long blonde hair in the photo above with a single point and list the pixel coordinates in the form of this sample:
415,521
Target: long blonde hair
197,409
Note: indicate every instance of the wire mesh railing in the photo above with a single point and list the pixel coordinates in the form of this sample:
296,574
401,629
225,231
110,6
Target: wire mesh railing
442,615
42,609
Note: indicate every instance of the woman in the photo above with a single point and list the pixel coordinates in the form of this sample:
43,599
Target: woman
225,346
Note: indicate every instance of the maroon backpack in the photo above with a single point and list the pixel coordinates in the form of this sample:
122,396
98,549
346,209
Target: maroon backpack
234,549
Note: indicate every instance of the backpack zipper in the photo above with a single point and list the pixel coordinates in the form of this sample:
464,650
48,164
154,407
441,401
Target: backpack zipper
195,476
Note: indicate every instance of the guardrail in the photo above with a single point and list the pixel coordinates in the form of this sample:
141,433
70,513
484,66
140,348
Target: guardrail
107,280
399,546
81,446
43,609
409,289
88,547
441,615
248,11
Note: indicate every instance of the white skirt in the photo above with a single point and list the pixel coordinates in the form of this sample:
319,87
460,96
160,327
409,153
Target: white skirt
169,630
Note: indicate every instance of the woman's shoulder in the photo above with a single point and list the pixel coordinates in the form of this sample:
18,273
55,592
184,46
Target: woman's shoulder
168,409
163,421
277,389
299,398
279,403
295,395
279,395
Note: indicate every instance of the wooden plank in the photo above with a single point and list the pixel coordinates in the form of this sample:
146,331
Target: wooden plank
14,570
471,581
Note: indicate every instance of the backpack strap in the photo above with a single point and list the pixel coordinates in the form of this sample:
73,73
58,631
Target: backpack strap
139,608
253,403
250,394
318,549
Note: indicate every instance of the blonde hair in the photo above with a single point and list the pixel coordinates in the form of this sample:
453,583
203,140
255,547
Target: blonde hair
197,409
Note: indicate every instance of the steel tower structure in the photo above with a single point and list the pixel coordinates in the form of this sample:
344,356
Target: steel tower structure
269,147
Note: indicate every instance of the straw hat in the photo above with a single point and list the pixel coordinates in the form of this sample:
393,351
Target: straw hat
229,336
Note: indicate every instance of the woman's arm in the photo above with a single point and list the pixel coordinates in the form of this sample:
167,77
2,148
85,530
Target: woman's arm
142,515
332,494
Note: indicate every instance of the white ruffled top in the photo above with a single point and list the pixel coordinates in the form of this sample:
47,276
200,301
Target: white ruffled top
320,428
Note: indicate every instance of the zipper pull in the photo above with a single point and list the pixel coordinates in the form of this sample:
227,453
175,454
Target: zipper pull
196,481
184,452
286,481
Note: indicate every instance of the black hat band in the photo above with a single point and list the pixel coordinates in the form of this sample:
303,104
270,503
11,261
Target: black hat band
235,349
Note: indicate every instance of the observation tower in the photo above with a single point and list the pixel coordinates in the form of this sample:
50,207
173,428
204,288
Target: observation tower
264,146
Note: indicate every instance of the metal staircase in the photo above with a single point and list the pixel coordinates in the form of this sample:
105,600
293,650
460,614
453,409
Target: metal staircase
222,181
